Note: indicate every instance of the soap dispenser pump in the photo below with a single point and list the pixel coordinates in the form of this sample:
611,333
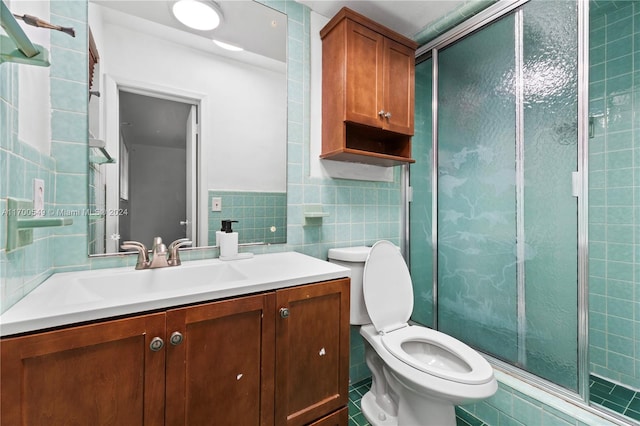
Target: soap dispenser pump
227,240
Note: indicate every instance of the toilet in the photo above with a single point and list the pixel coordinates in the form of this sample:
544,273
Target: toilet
418,374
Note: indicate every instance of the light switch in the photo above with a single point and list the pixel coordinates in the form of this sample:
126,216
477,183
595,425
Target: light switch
216,204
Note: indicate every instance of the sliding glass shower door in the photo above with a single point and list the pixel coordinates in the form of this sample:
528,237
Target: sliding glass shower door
500,115
477,251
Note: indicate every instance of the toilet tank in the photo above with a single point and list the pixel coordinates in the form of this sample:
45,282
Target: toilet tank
354,259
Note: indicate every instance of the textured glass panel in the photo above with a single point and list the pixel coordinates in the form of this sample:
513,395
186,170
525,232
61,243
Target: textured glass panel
420,208
476,191
550,211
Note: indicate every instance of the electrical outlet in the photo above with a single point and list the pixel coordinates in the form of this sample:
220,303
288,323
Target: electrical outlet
38,197
216,204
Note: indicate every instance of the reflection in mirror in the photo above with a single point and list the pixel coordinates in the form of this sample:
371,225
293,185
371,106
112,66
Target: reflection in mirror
198,133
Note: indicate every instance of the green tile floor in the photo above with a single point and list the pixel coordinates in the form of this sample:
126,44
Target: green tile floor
356,418
615,397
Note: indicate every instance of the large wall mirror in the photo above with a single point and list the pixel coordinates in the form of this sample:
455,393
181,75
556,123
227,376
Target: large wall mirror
183,132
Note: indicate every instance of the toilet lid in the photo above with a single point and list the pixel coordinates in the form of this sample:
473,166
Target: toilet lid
386,284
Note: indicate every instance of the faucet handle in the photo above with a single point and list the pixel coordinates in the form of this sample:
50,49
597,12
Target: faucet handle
158,246
180,242
174,255
143,253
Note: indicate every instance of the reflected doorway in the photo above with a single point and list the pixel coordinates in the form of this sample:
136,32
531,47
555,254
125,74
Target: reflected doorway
157,168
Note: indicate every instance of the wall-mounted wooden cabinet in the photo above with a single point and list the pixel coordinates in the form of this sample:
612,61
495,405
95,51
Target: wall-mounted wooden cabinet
277,358
368,85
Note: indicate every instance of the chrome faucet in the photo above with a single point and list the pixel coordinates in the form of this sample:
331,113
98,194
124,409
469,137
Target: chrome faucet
161,257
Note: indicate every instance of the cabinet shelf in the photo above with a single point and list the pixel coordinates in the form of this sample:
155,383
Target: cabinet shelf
372,146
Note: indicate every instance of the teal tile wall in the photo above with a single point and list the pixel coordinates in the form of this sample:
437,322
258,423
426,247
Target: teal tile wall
614,191
465,11
256,213
25,268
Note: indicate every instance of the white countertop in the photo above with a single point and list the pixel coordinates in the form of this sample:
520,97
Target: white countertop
73,297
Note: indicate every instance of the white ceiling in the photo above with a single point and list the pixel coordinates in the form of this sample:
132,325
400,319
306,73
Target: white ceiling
257,28
407,17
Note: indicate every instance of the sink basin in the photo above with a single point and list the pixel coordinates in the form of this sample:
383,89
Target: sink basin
75,297
132,283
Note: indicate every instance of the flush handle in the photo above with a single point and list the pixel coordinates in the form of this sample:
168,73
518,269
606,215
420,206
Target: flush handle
156,344
284,312
176,338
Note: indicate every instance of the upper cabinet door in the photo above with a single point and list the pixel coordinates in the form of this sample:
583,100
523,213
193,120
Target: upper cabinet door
399,81
365,58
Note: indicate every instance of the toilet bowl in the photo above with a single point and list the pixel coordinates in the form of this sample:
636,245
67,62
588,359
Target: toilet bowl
418,374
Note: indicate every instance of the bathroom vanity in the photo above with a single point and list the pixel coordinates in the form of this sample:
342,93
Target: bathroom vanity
269,348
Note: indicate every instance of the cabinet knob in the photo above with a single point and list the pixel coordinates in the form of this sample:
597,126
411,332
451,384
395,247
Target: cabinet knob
156,344
284,312
176,338
381,113
387,115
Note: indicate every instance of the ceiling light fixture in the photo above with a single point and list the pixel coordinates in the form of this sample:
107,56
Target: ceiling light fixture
228,46
196,14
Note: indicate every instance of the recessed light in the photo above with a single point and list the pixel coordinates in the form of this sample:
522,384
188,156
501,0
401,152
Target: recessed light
228,46
196,14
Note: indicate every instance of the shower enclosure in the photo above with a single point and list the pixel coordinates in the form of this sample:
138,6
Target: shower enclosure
515,213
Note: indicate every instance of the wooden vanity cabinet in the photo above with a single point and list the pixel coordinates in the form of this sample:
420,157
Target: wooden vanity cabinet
368,86
220,359
99,374
312,352
214,363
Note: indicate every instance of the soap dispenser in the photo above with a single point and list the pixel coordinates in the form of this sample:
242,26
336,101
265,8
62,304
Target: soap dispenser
227,240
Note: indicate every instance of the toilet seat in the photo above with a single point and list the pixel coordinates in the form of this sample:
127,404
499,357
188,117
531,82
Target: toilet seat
388,295
386,284
464,365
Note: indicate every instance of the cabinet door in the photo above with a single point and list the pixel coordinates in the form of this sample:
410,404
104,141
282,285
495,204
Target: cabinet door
221,373
364,95
99,374
399,81
312,351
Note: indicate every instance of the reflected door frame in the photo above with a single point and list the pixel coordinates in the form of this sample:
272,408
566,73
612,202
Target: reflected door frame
113,86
